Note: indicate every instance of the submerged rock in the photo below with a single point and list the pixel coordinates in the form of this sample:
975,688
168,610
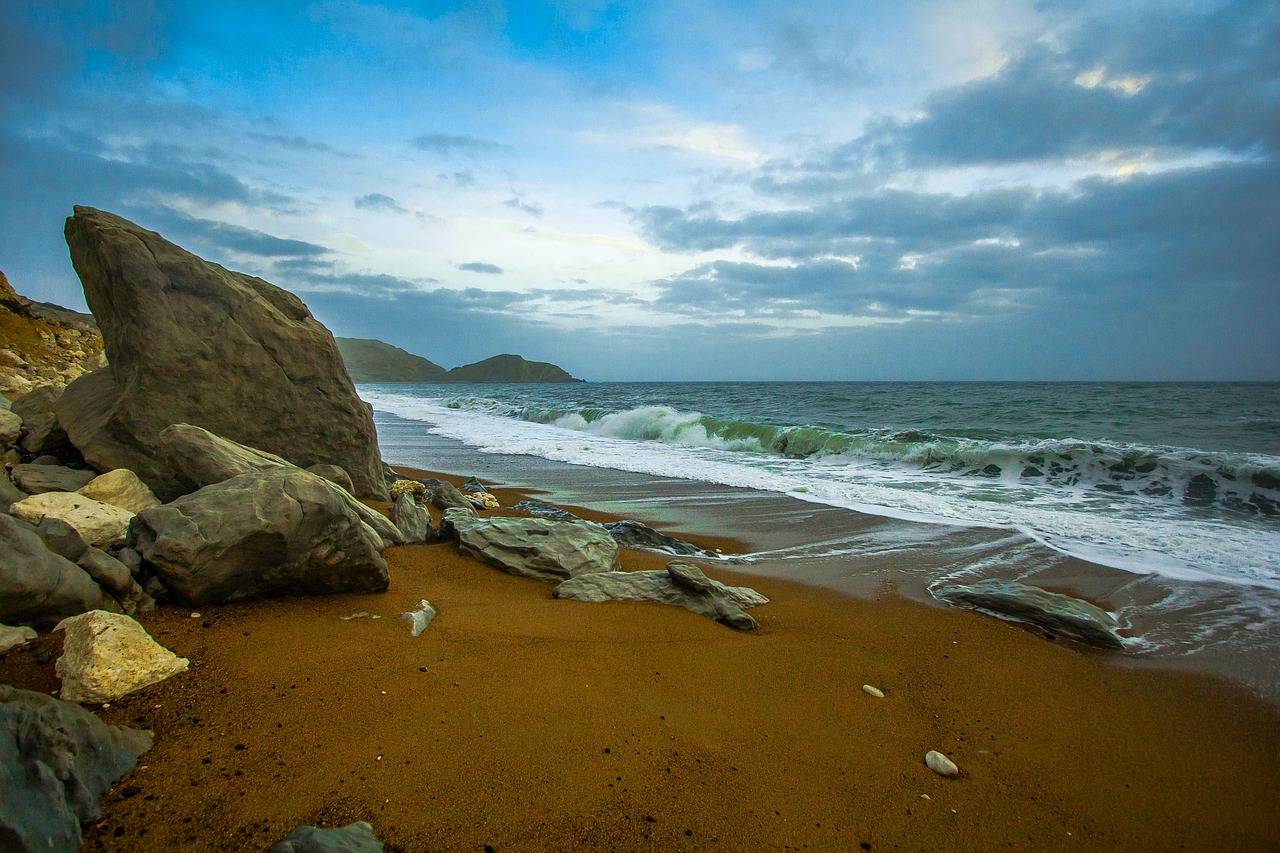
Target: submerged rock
355,837
56,762
108,655
1058,613
533,547
681,584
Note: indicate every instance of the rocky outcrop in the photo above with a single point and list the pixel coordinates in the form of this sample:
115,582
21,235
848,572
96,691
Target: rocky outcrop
42,433
56,762
37,587
38,479
682,584
509,368
280,532
533,547
100,525
121,488
191,342
355,837
43,344
1059,614
108,655
205,459
374,361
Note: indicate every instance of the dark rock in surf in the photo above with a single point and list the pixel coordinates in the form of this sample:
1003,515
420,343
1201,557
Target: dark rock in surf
682,585
545,510
190,342
640,537
1060,614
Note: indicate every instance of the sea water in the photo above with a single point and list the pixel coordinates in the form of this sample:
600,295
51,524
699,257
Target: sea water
1175,485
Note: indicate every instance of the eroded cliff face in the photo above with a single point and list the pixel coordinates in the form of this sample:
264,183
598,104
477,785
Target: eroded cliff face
43,344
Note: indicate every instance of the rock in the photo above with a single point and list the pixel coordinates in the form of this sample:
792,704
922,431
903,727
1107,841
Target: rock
534,547
9,493
4,401
110,574
405,486
43,431
413,521
472,487
100,525
873,692
188,341
13,637
48,459
420,617
633,534
10,427
121,488
334,474
445,496
38,479
682,584
37,587
545,510
482,500
206,459
355,837
1058,613
281,532
940,764
61,538
109,655
56,762
131,559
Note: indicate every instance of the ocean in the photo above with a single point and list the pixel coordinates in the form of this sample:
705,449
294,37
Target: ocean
1160,500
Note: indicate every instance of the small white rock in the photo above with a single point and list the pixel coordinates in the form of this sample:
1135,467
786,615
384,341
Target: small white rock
873,691
940,764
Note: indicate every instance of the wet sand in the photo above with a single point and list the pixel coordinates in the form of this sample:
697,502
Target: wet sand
524,723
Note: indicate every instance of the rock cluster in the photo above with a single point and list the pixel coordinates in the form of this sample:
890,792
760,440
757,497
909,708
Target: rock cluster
43,344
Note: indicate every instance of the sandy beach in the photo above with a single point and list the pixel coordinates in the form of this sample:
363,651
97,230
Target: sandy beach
518,722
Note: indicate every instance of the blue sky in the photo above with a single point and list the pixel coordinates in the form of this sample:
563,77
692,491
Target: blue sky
689,190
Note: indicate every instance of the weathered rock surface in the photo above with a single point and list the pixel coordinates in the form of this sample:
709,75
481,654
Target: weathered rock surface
115,577
121,488
109,655
413,521
545,510
11,637
205,459
100,525
61,538
1058,613
10,427
9,493
641,537
37,587
42,344
445,496
334,474
420,617
189,341
37,479
355,837
56,762
533,547
682,584
279,532
43,432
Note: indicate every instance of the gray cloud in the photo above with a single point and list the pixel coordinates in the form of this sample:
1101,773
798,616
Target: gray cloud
207,236
823,59
476,266
529,207
458,179
445,144
378,201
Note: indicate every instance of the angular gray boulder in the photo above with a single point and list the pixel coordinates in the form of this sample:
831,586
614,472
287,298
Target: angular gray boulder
1060,614
533,547
280,532
681,584
56,762
355,837
42,431
39,588
413,521
189,341
38,479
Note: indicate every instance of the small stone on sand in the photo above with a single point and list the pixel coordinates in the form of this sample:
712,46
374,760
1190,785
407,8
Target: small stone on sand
873,691
940,764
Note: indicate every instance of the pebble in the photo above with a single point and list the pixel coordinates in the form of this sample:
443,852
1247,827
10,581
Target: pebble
940,764
195,615
873,691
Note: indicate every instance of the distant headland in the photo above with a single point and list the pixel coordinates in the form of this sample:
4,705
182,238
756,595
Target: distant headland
372,361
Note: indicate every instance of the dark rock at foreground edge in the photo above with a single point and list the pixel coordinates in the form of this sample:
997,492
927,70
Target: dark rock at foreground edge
355,837
682,585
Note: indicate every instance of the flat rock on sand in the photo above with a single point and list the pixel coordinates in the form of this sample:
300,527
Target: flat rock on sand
533,547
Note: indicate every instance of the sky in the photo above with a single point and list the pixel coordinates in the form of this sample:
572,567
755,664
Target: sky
693,190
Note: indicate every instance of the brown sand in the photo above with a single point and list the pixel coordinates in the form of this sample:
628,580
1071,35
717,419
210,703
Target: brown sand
524,723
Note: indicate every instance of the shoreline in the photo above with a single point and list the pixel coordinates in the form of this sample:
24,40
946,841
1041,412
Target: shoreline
525,723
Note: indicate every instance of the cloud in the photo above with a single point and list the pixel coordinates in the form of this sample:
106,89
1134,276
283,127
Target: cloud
458,179
823,59
529,207
378,201
207,234
470,146
476,266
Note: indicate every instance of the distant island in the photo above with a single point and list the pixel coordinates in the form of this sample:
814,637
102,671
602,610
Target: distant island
372,361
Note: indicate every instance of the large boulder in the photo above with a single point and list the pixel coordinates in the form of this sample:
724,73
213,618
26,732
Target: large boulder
56,762
188,341
121,488
108,655
37,479
100,525
533,547
43,432
37,587
1060,614
682,584
280,532
205,459
10,427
